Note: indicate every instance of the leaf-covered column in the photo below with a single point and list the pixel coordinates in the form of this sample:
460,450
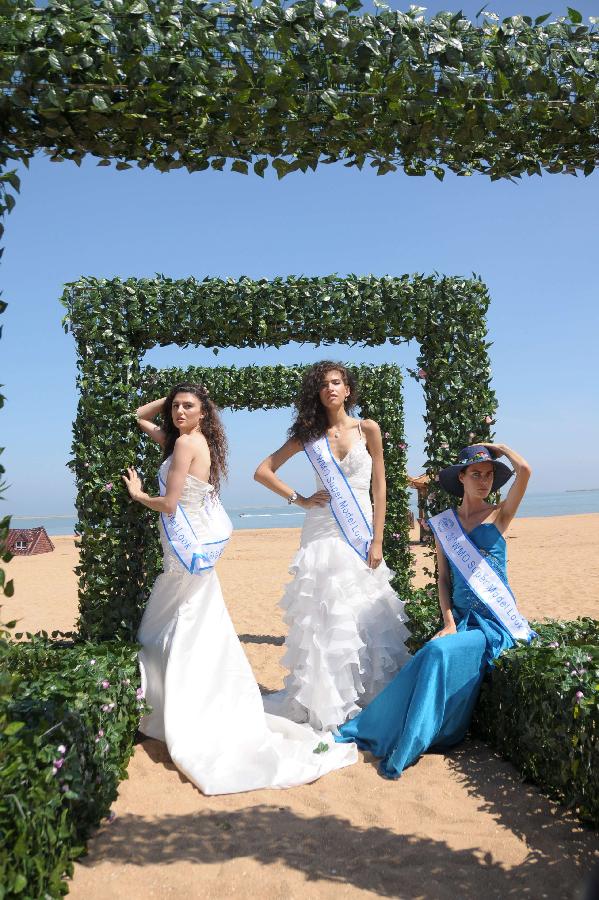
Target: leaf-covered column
105,442
381,399
455,372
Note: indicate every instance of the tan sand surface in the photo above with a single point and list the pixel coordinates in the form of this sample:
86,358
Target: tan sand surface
454,826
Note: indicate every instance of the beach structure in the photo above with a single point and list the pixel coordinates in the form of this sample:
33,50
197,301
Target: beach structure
29,541
420,485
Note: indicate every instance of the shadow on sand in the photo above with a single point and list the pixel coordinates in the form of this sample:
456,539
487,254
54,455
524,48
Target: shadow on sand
559,844
328,849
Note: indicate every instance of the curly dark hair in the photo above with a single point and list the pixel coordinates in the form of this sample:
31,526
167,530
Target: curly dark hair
311,418
212,429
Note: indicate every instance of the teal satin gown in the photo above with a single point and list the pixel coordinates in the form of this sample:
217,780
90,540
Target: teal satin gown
430,701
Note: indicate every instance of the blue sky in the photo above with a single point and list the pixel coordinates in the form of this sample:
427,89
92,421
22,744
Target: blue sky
534,243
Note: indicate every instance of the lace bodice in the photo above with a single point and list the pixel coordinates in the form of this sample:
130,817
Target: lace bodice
356,465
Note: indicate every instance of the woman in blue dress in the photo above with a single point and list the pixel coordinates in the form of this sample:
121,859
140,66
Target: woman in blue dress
430,702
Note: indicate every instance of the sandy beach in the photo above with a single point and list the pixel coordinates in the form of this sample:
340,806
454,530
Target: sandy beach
459,825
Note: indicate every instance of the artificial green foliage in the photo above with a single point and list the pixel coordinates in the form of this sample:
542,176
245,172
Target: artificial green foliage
67,721
540,709
183,83
528,707
115,322
424,613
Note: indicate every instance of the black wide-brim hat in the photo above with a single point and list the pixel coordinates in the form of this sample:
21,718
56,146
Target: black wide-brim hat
477,453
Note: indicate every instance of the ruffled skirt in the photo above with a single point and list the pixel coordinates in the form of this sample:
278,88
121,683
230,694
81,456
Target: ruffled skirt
346,636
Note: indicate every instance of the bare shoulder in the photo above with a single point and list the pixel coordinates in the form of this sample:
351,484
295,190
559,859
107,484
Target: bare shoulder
370,427
372,433
191,443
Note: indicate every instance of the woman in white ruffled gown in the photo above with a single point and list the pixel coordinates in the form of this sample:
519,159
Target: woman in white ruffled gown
347,628
205,702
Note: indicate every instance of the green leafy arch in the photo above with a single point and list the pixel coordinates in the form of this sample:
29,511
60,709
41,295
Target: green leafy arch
115,322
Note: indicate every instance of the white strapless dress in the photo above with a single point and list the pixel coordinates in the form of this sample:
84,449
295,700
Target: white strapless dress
206,704
347,628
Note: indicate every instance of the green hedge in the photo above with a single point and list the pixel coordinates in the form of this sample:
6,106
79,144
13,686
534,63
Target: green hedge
68,715
539,706
540,709
115,322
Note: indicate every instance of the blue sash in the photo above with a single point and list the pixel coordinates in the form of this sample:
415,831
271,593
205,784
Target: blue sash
198,556
480,577
345,508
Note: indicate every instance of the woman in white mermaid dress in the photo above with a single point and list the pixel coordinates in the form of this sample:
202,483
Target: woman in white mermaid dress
347,630
205,702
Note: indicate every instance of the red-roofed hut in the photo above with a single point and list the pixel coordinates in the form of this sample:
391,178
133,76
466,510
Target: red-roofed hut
28,541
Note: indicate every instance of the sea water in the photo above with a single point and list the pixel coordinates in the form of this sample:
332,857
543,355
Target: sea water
566,503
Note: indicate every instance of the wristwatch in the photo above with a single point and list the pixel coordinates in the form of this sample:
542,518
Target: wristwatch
293,498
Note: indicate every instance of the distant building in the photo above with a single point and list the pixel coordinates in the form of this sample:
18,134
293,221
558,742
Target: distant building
27,541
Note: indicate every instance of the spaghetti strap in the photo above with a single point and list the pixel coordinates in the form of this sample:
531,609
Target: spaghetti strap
360,429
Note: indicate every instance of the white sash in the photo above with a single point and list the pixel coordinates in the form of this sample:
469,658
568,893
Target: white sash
196,555
480,577
345,508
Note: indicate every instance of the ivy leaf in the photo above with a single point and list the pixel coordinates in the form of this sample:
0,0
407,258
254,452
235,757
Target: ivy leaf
13,728
138,8
331,99
19,884
281,167
99,103
574,15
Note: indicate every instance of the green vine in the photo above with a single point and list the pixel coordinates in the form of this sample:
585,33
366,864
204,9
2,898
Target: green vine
183,83
115,322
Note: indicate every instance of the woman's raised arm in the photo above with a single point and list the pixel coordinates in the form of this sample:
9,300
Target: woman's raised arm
509,507
145,420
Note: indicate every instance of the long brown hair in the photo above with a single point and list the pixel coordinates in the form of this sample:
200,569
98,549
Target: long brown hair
311,418
212,429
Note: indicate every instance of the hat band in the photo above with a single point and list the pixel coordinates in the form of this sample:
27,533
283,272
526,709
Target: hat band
480,457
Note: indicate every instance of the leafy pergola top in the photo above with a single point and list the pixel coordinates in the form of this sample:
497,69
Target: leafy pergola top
183,83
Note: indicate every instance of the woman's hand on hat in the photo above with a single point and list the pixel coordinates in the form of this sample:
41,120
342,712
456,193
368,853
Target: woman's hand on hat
496,450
